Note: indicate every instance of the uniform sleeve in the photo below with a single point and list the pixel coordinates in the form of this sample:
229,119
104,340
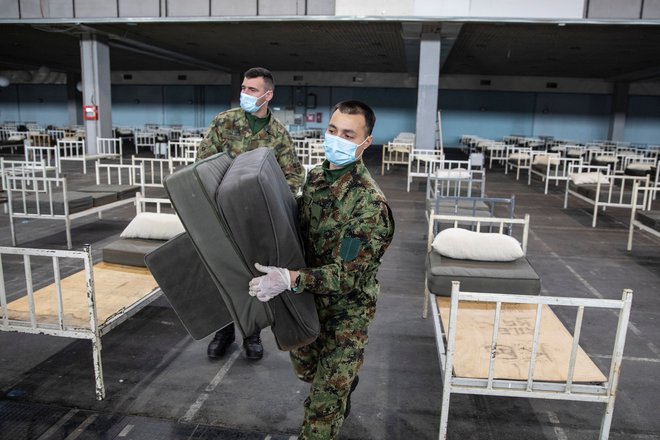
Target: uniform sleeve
286,156
211,144
357,254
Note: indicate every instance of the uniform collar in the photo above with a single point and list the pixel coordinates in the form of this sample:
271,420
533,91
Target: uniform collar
341,181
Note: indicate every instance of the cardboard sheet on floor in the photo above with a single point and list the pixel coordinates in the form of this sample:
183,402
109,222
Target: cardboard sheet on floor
116,288
474,335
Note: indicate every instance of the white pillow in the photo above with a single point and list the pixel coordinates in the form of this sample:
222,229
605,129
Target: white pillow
543,159
605,158
588,178
454,173
463,244
518,156
641,166
153,226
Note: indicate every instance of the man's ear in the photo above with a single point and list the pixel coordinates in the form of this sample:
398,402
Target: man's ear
269,96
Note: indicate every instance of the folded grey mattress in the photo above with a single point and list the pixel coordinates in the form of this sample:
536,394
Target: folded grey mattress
650,219
77,201
589,191
122,192
188,286
129,251
516,277
238,212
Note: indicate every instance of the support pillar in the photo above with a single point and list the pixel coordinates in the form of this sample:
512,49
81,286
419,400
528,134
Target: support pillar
73,99
95,67
619,109
427,91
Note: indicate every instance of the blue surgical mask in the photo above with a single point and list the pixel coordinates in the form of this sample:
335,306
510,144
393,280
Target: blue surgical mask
249,102
339,151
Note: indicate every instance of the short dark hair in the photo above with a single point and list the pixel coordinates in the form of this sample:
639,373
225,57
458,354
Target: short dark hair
260,72
357,108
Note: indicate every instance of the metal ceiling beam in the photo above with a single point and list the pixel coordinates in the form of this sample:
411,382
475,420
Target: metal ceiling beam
649,74
153,51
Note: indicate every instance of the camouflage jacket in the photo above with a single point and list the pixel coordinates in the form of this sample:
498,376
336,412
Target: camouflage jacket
346,227
230,133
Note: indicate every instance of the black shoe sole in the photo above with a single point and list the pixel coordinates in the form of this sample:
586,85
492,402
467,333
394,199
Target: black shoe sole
253,356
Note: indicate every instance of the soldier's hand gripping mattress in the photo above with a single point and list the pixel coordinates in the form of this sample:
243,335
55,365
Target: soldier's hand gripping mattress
238,212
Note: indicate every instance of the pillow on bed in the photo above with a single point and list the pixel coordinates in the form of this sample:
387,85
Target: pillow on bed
588,178
463,244
544,159
454,173
153,226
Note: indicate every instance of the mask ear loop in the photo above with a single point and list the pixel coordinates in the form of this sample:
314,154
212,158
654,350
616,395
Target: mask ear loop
365,140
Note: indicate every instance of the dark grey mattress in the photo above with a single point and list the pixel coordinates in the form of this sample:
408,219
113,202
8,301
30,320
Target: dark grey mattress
516,277
129,251
238,212
183,278
78,201
589,190
122,191
649,218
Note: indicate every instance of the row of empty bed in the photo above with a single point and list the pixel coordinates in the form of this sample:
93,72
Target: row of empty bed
495,333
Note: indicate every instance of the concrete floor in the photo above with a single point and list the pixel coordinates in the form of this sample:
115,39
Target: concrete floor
160,384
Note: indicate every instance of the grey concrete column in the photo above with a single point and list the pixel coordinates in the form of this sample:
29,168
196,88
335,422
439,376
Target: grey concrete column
427,91
73,99
95,67
619,109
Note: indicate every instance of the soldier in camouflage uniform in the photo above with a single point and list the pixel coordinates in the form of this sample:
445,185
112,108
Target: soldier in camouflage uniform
243,129
346,226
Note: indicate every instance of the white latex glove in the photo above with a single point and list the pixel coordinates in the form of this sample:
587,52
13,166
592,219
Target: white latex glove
268,286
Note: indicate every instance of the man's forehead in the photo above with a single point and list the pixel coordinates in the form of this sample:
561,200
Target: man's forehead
346,122
253,82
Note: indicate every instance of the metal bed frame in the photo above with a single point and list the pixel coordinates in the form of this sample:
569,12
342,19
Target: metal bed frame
43,189
617,193
421,162
556,169
501,225
395,153
648,194
529,388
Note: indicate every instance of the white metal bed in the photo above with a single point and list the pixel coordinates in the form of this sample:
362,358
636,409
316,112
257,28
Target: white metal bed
74,150
86,304
395,153
35,197
608,190
500,225
550,167
421,162
546,363
144,139
642,215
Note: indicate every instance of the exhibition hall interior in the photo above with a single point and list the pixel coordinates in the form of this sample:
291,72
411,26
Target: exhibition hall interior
145,169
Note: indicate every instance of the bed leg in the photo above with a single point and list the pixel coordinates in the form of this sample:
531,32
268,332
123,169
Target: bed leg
98,368
444,415
593,223
69,242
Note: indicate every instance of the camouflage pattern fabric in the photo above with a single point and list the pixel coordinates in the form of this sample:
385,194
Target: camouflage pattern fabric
230,133
346,226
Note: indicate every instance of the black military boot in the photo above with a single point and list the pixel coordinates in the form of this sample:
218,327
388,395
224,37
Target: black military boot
253,348
222,339
354,385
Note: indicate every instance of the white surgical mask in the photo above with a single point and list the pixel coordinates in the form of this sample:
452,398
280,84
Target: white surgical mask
249,102
339,151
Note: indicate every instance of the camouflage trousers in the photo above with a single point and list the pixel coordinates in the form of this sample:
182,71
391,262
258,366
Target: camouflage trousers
330,363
